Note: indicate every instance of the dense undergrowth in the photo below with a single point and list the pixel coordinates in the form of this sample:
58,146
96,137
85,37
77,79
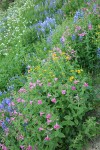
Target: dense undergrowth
48,52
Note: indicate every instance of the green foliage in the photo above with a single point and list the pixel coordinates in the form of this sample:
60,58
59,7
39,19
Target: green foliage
63,97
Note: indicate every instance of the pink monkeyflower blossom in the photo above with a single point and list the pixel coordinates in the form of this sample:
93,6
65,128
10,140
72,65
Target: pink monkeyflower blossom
12,118
3,147
15,112
22,100
48,116
63,92
22,90
39,102
82,34
47,138
55,79
90,27
48,95
31,102
21,137
20,114
86,84
76,81
53,100
49,84
41,113
22,147
56,127
73,88
29,147
32,85
49,121
18,100
41,129
78,28
38,81
40,84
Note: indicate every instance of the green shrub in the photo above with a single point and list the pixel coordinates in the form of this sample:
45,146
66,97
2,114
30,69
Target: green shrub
51,110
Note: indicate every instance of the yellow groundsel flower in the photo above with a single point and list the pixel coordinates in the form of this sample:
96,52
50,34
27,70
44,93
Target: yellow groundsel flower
63,53
29,70
71,70
68,57
54,55
37,68
71,78
55,58
79,71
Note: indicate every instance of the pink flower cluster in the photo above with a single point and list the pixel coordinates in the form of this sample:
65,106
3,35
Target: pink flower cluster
86,84
53,100
29,147
22,90
32,85
56,126
73,88
19,100
82,34
63,92
47,138
3,147
39,102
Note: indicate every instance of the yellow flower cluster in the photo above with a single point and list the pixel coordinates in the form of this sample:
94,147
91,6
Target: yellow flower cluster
68,57
71,78
79,71
37,68
54,56
29,70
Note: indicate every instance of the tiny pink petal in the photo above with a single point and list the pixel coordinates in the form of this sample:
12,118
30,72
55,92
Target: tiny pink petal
53,100
47,138
48,95
41,129
49,121
29,147
86,84
56,127
73,88
41,113
76,81
55,79
48,116
63,92
31,102
39,102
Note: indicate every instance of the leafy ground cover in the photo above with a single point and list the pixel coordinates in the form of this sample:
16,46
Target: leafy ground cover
49,51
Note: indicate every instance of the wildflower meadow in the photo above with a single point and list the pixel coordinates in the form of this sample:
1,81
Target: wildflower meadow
49,74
